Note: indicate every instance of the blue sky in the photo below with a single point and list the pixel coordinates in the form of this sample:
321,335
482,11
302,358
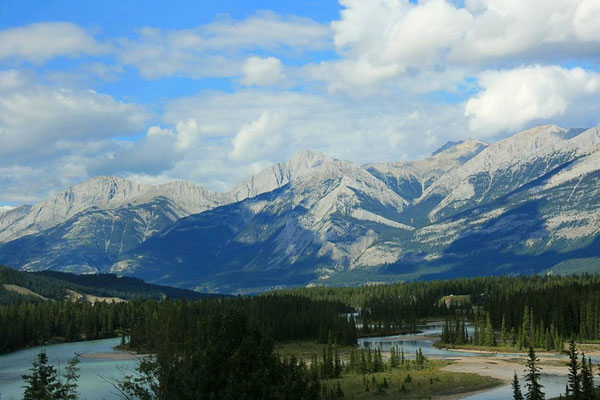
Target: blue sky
214,91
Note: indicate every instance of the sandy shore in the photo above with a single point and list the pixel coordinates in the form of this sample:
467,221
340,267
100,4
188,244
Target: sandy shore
522,354
434,338
499,367
114,355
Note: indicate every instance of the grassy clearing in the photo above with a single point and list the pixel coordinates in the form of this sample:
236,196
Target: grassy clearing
305,349
423,384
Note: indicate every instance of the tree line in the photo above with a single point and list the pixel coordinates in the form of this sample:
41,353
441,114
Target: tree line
549,306
283,317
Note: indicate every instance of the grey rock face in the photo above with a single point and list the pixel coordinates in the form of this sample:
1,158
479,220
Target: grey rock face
520,205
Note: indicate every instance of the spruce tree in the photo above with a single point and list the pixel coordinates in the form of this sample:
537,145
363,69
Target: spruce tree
402,358
490,338
393,358
42,384
587,379
534,388
67,389
517,394
574,376
378,361
421,357
363,362
337,366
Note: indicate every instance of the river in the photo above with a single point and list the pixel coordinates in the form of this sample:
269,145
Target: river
554,385
94,373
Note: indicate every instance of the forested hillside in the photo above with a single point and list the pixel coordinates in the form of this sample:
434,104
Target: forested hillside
54,285
568,304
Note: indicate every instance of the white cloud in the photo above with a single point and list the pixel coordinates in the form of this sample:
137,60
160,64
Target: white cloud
512,98
44,118
216,49
586,20
408,76
259,138
381,40
262,71
270,126
6,208
43,41
12,79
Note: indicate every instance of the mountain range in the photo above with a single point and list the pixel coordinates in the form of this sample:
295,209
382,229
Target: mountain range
526,204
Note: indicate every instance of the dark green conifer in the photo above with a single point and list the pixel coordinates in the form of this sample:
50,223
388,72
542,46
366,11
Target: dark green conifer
516,387
534,387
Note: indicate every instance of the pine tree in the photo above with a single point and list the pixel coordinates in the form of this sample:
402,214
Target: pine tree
369,360
574,376
517,394
363,362
534,388
393,358
42,383
503,332
587,379
67,389
446,332
525,332
420,357
490,338
337,364
378,361
476,332
402,358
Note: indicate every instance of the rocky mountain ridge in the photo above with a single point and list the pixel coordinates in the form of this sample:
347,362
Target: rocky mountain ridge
525,204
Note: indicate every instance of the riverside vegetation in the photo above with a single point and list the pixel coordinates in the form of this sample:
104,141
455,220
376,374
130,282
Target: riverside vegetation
226,347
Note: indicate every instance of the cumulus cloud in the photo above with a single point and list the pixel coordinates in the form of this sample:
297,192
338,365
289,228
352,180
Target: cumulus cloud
262,71
381,40
389,80
512,98
44,118
41,42
258,138
216,49
12,79
270,125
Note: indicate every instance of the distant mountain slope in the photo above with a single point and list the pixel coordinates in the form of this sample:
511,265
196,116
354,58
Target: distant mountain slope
315,225
54,285
92,240
507,165
278,175
521,205
104,193
411,179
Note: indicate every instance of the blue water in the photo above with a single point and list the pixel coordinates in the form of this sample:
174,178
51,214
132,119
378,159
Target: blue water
553,385
94,373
